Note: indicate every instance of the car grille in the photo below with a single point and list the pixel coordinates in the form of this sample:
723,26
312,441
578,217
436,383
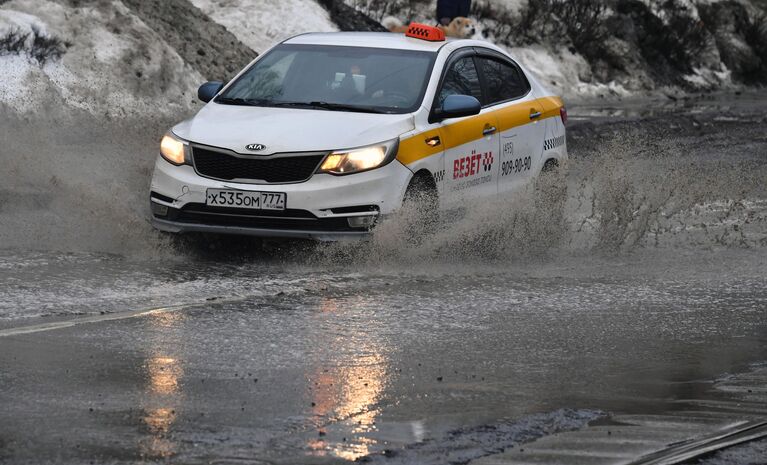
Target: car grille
291,219
283,168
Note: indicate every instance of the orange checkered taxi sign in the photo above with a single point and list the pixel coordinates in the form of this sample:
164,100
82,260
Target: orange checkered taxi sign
425,32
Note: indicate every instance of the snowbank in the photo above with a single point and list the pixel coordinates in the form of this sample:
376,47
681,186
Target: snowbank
113,65
565,73
261,23
615,49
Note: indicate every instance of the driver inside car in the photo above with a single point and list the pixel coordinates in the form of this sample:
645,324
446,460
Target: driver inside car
352,86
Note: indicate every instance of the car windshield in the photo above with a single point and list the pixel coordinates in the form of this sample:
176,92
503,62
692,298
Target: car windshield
334,78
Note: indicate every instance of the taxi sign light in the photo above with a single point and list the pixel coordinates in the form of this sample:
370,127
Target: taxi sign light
425,32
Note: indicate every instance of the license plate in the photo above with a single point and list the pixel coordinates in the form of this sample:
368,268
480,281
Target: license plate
246,199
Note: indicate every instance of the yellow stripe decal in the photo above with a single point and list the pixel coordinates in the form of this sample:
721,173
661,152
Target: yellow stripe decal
415,148
551,106
517,115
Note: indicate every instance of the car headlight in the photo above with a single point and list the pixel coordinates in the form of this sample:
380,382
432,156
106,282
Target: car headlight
174,150
360,159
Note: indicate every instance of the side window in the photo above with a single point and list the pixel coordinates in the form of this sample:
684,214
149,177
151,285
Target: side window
461,79
502,81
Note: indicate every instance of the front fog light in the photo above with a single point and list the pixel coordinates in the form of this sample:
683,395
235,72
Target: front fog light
361,159
362,221
174,150
159,210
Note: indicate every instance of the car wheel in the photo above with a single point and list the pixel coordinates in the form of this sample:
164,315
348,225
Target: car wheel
551,187
550,198
420,206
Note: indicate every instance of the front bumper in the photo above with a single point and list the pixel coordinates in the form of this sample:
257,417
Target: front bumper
319,208
324,236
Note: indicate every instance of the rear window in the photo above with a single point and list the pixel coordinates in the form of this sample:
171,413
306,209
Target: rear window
391,81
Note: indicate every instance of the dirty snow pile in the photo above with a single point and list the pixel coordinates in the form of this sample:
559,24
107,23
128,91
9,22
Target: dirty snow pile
105,61
101,58
261,23
596,48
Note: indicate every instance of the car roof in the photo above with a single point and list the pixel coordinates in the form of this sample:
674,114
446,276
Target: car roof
368,39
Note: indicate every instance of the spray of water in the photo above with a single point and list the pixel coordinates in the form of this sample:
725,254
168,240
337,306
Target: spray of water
81,186
78,184
640,190
631,191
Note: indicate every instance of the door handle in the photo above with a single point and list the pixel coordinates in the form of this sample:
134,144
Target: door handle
489,130
535,114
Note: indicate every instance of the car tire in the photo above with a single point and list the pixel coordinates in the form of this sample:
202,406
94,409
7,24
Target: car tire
550,199
420,205
551,186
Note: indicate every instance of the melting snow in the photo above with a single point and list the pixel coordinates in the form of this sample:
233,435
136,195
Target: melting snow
259,24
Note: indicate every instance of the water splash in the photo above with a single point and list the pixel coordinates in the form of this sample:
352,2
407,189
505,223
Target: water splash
83,188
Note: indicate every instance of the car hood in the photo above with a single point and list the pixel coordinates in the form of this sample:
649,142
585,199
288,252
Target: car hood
289,129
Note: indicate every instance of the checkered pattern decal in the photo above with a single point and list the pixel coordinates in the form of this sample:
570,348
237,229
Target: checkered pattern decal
487,161
439,176
424,32
550,144
417,31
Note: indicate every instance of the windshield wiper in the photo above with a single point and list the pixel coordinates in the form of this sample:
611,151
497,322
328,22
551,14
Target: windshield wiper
241,101
329,106
319,105
344,107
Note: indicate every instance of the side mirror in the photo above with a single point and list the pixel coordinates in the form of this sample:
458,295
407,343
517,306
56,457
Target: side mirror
207,91
457,106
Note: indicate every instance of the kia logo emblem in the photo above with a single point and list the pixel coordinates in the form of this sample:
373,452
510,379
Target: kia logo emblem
255,147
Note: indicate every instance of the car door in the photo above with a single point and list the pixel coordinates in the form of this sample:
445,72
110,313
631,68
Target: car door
508,95
471,143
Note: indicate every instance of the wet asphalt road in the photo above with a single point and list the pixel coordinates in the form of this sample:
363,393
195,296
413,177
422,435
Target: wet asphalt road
268,359
339,367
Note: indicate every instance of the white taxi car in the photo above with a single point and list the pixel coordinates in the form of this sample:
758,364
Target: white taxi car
325,134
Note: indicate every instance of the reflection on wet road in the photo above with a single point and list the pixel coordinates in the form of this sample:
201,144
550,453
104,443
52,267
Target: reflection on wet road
346,366
163,399
346,394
